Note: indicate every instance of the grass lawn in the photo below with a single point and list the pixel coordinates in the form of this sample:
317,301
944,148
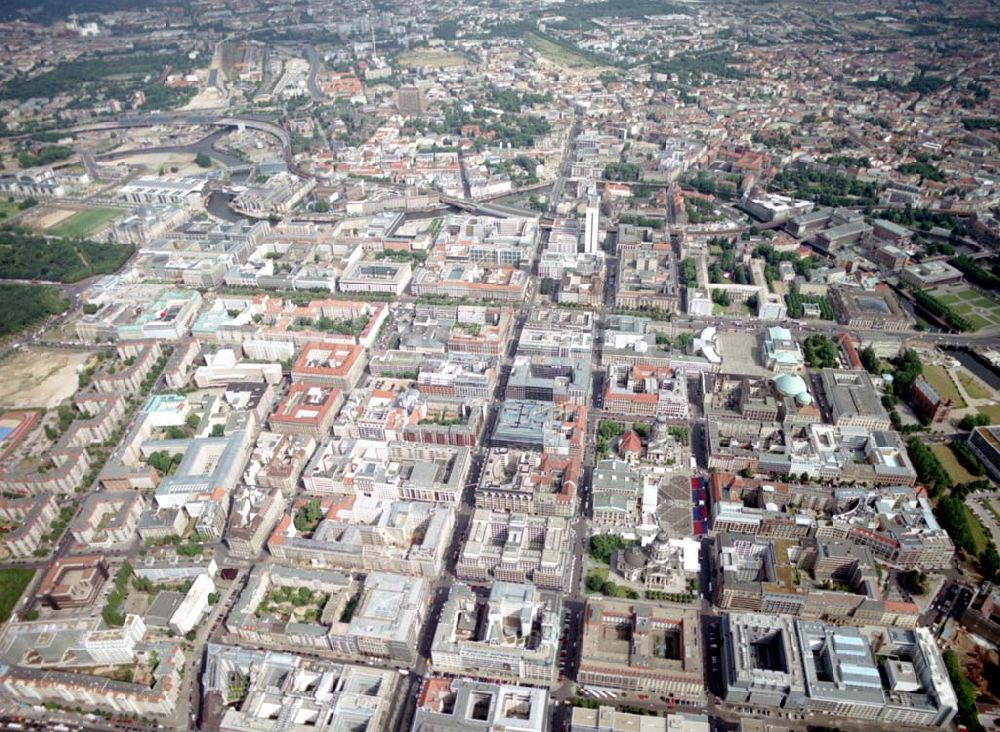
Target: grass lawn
971,303
988,505
976,529
975,388
949,462
83,223
558,54
992,411
9,209
938,377
13,580
977,321
431,57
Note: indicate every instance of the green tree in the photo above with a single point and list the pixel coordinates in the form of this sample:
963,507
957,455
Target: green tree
202,160
820,351
989,562
309,515
971,421
965,691
930,472
908,367
602,546
871,361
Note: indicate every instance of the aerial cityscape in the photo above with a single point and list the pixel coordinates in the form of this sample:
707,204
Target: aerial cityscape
510,365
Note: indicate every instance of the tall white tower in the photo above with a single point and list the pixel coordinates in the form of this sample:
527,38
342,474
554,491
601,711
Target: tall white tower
591,233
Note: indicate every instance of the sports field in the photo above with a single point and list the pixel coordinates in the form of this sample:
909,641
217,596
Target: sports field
84,223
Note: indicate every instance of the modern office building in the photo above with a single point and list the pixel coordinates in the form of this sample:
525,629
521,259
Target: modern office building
852,400
985,442
512,636
457,705
282,691
773,661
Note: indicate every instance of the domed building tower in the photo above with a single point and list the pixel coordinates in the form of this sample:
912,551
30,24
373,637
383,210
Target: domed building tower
661,446
792,385
660,550
797,405
630,563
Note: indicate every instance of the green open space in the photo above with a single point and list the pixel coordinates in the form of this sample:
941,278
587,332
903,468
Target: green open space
431,57
992,411
956,472
13,581
971,303
9,209
21,306
988,505
975,388
979,536
558,53
978,321
26,256
938,377
84,223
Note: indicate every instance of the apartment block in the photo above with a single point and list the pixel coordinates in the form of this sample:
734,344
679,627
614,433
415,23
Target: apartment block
31,517
107,520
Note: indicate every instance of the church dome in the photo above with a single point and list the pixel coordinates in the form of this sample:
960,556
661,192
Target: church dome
634,557
790,385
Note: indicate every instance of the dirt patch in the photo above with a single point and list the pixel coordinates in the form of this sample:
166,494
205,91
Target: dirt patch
981,663
39,377
155,162
47,217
